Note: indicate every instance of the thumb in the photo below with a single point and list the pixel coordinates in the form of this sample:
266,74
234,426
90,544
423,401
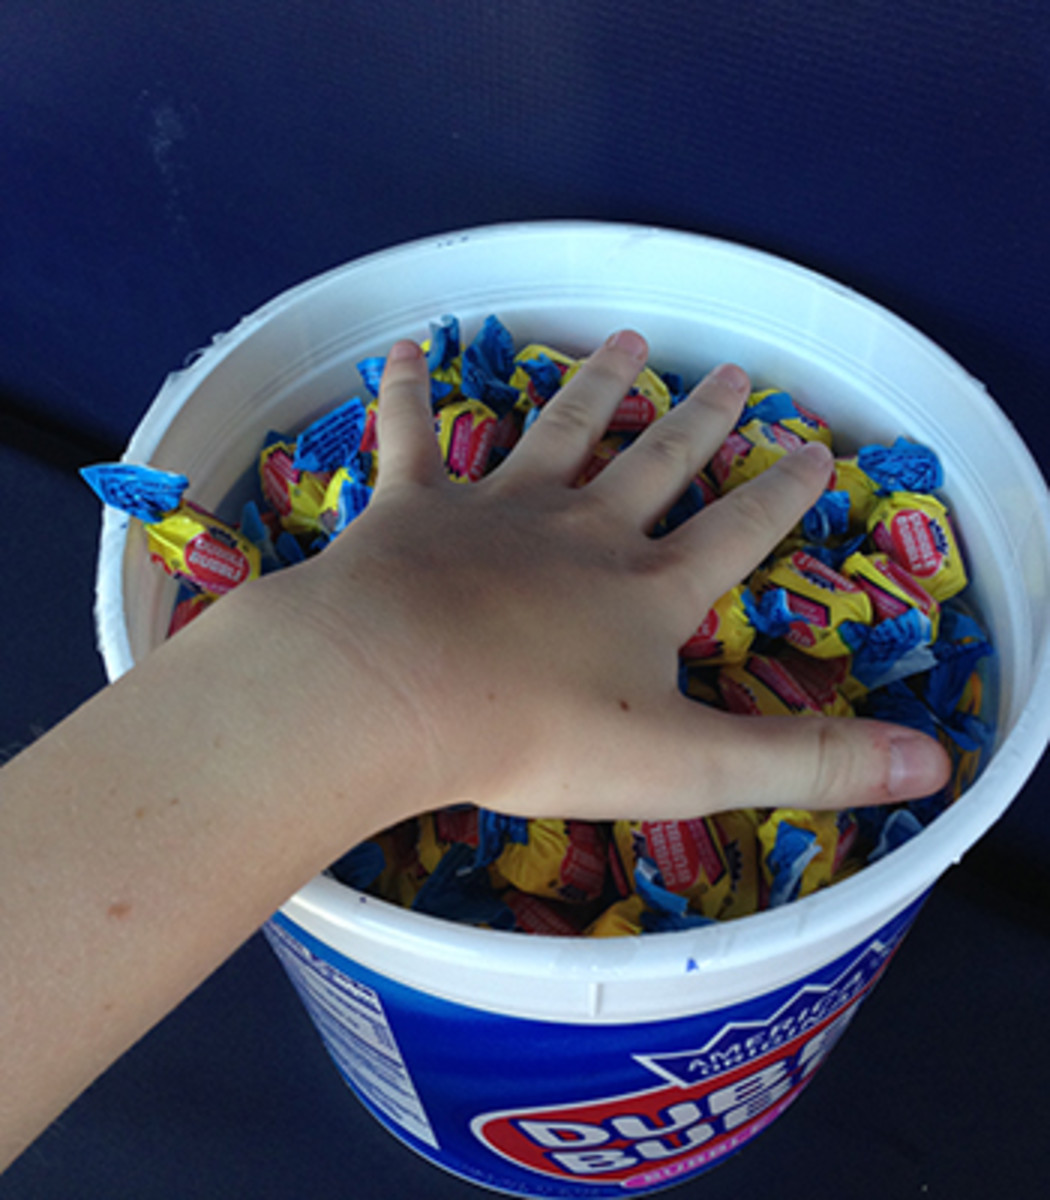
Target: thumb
807,762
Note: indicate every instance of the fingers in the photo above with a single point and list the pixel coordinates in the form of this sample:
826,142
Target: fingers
558,445
647,479
405,423
732,536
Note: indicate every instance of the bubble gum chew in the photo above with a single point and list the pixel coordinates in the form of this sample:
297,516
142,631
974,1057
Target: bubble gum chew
466,431
724,635
775,407
821,602
750,450
802,850
562,860
915,531
687,854
188,542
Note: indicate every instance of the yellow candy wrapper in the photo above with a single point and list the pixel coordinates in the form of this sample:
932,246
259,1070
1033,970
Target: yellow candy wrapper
827,681
738,833
862,490
750,450
539,372
802,850
893,591
298,497
823,600
725,635
914,530
777,407
562,860
622,919
688,855
192,545
762,687
466,430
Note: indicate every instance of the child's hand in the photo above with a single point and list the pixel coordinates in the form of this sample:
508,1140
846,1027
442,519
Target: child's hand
521,633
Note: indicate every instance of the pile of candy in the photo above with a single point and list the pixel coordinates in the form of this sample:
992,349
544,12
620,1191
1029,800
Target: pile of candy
856,612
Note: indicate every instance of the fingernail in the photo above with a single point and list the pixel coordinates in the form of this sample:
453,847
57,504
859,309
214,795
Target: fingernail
403,351
817,451
630,343
917,766
732,376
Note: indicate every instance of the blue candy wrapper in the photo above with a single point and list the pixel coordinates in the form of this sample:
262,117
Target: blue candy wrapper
457,890
903,467
828,518
333,441
444,344
142,492
792,852
899,827
494,832
361,867
488,363
891,650
544,374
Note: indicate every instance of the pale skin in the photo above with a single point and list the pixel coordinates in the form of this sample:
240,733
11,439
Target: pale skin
510,643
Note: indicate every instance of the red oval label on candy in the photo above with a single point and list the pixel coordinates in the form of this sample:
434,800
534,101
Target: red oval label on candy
469,445
215,566
704,643
915,543
682,850
635,412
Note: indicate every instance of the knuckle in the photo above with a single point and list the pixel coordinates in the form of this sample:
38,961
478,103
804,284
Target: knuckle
752,511
835,785
566,419
668,447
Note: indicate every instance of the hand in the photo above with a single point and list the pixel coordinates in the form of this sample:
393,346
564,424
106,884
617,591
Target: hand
521,633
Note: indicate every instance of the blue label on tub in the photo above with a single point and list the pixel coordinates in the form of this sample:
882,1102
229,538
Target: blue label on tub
540,1108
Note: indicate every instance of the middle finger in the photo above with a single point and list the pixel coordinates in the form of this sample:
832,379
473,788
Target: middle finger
649,477
559,444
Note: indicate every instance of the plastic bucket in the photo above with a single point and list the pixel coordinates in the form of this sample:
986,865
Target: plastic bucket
569,1067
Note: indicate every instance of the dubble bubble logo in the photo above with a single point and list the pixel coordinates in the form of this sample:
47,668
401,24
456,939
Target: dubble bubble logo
709,1102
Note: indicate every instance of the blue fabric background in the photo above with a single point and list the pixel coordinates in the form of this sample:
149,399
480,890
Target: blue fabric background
167,167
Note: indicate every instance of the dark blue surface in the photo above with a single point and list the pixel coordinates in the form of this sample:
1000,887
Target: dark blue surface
167,167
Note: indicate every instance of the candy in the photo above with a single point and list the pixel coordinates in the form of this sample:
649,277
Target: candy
561,860
687,855
802,850
765,687
738,835
750,450
821,602
189,543
466,430
724,635
915,531
775,407
861,489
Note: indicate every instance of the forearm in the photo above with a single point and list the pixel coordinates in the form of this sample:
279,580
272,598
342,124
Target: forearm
151,833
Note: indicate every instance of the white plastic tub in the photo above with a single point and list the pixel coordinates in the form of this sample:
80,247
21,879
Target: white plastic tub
554,1067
